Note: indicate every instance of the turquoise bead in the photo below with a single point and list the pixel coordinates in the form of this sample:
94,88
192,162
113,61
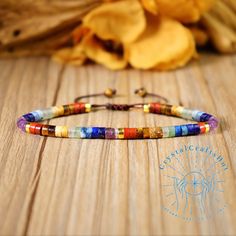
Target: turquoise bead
184,130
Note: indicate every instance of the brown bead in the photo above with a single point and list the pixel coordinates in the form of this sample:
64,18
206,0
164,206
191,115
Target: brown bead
72,108
142,92
146,133
168,109
44,130
156,132
51,130
109,92
66,110
139,133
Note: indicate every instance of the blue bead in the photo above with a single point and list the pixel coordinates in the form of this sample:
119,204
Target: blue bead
36,115
85,132
184,129
193,129
198,115
178,131
29,117
98,132
194,114
40,114
205,117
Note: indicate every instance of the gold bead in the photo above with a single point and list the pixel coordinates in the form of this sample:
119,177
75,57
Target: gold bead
207,128
146,108
142,92
27,128
121,133
109,92
88,107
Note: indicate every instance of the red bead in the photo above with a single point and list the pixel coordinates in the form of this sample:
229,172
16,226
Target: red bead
155,108
79,108
32,128
130,133
202,127
38,128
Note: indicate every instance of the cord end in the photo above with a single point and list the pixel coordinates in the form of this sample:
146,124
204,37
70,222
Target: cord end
110,92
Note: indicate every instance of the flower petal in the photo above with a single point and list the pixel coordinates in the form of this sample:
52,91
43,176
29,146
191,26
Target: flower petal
121,21
96,52
150,6
75,55
185,11
164,41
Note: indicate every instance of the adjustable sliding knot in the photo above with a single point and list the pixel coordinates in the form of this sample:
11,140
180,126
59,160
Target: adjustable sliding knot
118,107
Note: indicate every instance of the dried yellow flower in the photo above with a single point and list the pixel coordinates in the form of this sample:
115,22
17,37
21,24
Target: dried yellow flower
121,21
119,33
164,44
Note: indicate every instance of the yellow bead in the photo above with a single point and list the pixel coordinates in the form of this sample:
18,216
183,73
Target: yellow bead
173,110
178,111
146,108
27,128
87,107
207,128
121,133
64,132
58,131
58,110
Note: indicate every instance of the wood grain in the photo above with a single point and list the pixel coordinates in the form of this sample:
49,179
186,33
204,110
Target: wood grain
51,186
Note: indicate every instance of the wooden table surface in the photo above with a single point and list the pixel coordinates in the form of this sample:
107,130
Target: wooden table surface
176,186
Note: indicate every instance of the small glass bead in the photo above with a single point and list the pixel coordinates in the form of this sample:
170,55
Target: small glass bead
194,114
47,113
110,133
187,114
87,107
146,108
86,132
178,131
213,123
74,132
121,133
178,111
36,115
205,117
21,123
165,131
198,116
98,132
184,130
171,131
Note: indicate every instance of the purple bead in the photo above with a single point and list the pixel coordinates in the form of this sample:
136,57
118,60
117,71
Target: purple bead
21,122
213,123
110,133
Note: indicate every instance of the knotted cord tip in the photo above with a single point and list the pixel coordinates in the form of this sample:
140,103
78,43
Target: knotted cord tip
109,92
142,92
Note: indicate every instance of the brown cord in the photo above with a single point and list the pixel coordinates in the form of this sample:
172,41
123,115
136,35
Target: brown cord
119,107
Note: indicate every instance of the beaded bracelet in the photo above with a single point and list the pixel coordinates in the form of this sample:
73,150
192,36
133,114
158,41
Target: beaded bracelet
28,122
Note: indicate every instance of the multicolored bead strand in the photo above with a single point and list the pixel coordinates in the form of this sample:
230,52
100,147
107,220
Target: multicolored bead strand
29,122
